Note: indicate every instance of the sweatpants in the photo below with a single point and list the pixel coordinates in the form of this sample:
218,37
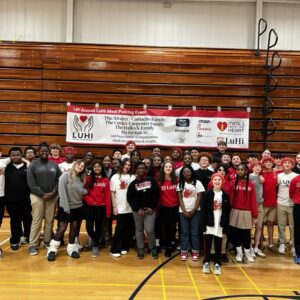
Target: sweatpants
144,223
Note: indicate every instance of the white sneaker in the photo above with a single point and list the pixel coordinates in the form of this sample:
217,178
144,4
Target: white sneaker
293,251
259,253
205,268
281,249
252,252
115,254
217,269
248,256
124,252
239,257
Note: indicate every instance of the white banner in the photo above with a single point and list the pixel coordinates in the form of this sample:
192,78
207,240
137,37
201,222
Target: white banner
157,127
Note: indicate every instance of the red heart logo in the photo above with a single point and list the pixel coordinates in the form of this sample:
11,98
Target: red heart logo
83,118
222,125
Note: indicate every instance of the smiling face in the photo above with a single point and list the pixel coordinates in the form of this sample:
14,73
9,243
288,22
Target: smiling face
225,159
268,165
79,167
168,168
217,182
236,160
266,153
141,170
97,168
44,153
126,167
54,152
130,147
204,162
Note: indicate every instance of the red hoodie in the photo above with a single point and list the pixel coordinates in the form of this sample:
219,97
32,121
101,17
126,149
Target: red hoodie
295,190
244,200
99,195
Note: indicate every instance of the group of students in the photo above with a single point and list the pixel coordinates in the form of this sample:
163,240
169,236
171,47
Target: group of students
210,199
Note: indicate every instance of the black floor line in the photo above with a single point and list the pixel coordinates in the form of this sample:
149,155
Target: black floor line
141,285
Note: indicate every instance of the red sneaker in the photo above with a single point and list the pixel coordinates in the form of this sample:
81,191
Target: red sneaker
183,256
195,256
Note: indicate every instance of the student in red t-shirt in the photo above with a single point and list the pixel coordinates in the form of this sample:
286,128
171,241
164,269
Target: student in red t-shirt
168,210
270,197
243,212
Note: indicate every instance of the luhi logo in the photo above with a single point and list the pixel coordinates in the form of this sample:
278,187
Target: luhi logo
82,127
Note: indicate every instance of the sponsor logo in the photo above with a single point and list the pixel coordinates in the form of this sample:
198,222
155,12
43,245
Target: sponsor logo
182,122
82,126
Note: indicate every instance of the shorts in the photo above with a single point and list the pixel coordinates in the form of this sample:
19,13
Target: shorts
75,214
270,214
260,217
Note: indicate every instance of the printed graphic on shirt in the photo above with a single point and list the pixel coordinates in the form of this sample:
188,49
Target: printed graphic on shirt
168,187
187,193
217,205
123,184
143,185
100,184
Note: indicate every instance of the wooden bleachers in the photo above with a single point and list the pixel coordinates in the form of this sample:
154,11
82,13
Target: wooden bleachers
37,80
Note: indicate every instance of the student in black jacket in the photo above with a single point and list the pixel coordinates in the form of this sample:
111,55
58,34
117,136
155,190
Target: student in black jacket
17,199
143,196
215,211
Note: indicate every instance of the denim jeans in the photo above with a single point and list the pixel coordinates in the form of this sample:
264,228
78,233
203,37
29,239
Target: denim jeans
190,228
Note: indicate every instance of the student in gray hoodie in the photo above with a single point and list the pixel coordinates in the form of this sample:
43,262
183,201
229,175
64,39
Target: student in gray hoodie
42,179
70,190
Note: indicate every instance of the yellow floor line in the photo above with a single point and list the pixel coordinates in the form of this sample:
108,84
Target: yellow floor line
247,276
3,242
162,281
193,281
220,284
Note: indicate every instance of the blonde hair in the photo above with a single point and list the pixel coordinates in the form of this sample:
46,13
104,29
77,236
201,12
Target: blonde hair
73,174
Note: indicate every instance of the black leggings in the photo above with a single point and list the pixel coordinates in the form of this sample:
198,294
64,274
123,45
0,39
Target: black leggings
94,229
63,227
208,239
241,237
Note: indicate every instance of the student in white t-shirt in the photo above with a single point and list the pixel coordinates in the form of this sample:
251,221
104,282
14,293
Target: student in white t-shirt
215,212
121,208
285,204
189,191
69,153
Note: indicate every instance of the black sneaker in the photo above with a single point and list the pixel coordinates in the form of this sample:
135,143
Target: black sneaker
75,254
14,247
51,256
154,253
224,258
168,252
1,253
140,253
